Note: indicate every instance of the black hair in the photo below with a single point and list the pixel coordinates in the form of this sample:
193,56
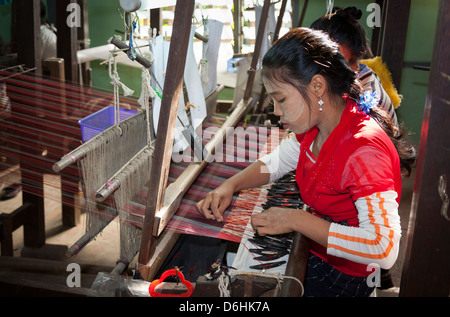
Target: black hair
342,26
302,53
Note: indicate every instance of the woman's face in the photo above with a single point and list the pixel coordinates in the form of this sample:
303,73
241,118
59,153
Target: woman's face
290,106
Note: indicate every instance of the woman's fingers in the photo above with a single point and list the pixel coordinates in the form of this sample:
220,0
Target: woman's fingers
213,206
272,221
259,223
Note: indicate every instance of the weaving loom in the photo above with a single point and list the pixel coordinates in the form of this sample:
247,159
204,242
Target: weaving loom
36,134
40,128
39,134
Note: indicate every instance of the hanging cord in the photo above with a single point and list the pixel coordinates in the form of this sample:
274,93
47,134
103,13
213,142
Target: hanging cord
222,273
219,272
147,93
115,81
330,6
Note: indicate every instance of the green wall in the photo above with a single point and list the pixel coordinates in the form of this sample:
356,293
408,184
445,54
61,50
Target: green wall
419,49
104,19
5,22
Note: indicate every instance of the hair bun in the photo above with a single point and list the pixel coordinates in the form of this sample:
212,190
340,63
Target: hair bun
352,13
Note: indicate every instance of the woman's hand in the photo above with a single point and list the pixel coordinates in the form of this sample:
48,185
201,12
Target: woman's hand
216,202
275,221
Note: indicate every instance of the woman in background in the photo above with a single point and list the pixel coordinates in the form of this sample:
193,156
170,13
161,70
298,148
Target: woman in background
343,27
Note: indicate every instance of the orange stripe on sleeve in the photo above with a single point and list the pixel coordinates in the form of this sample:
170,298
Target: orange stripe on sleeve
371,242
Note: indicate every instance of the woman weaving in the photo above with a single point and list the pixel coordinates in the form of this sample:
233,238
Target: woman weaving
348,158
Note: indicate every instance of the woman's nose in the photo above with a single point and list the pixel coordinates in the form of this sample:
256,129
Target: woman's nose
277,109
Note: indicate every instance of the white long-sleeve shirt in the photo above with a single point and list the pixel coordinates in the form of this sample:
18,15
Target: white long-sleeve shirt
375,241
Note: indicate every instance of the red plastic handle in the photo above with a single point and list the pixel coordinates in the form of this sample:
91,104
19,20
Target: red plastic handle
173,272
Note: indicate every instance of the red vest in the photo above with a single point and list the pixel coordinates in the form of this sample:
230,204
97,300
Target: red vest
339,177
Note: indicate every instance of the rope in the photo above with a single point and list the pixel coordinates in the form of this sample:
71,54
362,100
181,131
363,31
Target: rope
115,81
223,275
224,285
147,93
330,5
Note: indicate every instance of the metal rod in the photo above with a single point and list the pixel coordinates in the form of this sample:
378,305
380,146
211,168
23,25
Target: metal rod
124,47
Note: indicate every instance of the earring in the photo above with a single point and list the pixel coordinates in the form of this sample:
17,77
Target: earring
320,102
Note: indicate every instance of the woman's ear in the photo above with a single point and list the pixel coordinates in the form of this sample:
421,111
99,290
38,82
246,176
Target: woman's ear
318,85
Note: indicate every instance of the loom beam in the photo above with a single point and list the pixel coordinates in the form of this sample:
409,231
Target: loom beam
296,266
84,240
123,46
82,150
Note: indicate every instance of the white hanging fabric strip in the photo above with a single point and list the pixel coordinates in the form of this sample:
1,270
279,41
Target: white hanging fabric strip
193,84
210,58
160,48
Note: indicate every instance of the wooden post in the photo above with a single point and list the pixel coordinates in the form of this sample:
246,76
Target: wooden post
427,256
28,39
302,16
156,19
166,126
296,266
28,33
85,42
67,46
276,35
257,51
392,36
237,32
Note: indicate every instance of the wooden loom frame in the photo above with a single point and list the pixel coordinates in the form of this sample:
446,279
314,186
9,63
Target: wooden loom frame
156,244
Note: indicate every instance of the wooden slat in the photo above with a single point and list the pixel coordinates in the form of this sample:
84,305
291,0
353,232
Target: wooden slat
426,267
166,124
257,50
28,33
296,266
67,46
